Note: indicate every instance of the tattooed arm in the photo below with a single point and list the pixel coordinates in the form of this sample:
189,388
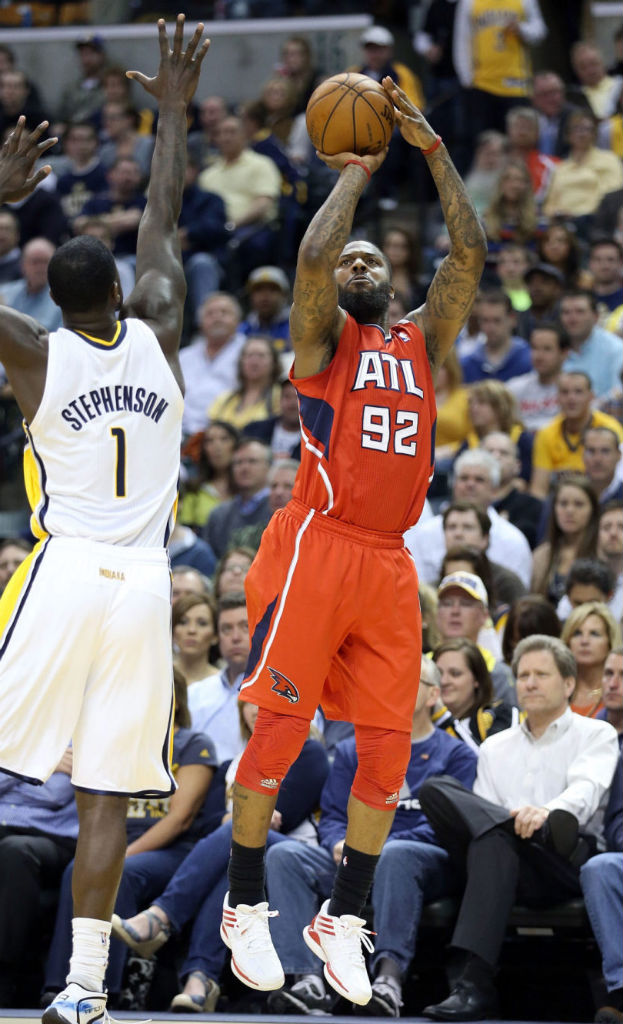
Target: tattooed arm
316,320
453,289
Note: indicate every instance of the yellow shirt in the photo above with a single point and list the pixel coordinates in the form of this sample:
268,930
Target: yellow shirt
225,407
554,451
577,188
453,419
241,182
500,60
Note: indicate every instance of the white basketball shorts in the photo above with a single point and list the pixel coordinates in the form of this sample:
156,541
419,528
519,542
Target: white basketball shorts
85,656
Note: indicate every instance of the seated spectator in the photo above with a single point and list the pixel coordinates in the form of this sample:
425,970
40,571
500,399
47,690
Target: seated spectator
558,446
571,534
13,551
120,122
31,294
296,65
257,395
466,529
278,99
161,832
82,99
601,879
186,548
250,506
18,99
602,463
199,886
608,214
558,246
203,237
588,580
37,841
612,402
522,129
281,478
469,710
612,691
597,90
452,409
213,700
281,432
590,633
520,825
511,215
545,285
202,143
476,476
536,392
523,510
463,611
510,268
300,877
83,175
40,215
605,264
492,409
10,254
209,362
268,289
402,250
610,549
120,206
195,647
581,180
119,89
502,354
553,110
207,458
483,175
528,615
231,571
97,227
187,580
593,350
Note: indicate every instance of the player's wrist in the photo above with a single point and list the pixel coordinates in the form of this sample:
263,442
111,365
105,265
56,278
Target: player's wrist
433,147
359,163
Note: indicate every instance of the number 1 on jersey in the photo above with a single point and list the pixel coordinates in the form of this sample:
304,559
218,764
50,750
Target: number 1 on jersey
119,435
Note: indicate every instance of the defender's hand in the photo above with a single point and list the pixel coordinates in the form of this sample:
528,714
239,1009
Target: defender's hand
178,74
372,161
413,125
18,156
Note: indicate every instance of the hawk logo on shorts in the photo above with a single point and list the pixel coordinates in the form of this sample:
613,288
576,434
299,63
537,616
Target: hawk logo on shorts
283,686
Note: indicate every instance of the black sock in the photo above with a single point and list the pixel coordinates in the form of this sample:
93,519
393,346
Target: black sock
478,971
353,882
615,998
246,875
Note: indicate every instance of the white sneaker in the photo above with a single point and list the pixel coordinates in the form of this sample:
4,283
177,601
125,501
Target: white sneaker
76,1005
245,931
338,941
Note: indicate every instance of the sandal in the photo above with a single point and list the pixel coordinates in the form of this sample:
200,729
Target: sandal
198,1004
159,932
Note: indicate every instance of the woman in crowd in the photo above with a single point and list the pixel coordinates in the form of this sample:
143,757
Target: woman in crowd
482,177
207,457
558,246
278,99
199,886
530,614
571,534
401,249
194,639
590,633
453,421
161,833
298,69
231,571
511,215
492,409
470,711
257,396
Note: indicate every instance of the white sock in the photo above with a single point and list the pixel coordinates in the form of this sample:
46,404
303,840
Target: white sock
89,960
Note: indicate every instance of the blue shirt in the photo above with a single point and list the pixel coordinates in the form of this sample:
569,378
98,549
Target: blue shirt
476,365
213,706
49,808
39,305
600,356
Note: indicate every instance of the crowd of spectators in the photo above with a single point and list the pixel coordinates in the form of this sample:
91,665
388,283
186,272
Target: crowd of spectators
519,550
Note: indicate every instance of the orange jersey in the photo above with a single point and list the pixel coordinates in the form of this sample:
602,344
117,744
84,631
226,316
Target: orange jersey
368,425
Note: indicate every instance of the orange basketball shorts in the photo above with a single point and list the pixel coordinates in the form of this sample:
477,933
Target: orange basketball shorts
335,620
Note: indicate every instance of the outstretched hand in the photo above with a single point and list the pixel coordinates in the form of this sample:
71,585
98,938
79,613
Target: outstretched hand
338,160
413,125
178,74
18,156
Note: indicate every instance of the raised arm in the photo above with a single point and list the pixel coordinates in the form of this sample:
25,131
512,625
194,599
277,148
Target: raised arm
453,289
315,318
160,290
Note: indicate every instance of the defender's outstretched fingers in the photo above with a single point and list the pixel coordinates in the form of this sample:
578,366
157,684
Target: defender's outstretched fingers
45,145
178,35
194,42
14,138
163,38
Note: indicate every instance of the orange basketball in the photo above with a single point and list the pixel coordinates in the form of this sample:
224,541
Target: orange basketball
349,113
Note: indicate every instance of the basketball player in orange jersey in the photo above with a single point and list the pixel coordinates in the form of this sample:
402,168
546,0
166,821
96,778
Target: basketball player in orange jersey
85,648
332,595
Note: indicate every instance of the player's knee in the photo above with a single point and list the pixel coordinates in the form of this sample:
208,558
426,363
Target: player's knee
275,744
382,756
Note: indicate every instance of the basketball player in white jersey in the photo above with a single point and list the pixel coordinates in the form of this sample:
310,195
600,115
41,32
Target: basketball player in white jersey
85,650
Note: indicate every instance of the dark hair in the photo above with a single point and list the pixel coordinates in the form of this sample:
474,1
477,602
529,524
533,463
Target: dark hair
590,571
184,603
206,470
610,506
496,297
602,429
229,602
481,566
483,689
81,274
182,714
414,258
240,549
16,542
580,293
564,341
468,506
588,542
605,240
572,260
529,614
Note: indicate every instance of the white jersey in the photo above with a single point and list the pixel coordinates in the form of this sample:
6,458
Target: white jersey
103,451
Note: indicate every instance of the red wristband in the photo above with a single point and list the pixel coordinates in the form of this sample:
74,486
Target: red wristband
431,149
360,163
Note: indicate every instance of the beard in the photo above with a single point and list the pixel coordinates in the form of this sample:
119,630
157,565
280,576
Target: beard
367,306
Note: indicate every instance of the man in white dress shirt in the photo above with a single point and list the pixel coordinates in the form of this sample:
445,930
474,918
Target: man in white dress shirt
476,477
535,815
